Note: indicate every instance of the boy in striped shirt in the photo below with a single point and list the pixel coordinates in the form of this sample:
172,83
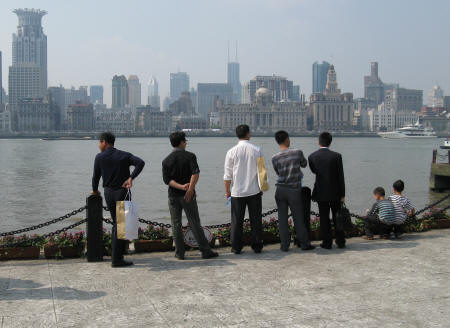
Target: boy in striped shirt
402,205
380,217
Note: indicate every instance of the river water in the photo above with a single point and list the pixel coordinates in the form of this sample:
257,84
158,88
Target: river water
41,180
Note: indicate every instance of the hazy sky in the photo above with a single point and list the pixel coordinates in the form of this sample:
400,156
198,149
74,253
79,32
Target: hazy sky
90,41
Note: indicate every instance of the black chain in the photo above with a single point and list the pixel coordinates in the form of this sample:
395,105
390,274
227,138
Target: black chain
45,224
50,234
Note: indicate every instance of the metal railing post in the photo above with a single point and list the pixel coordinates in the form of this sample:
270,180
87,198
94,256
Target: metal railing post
94,227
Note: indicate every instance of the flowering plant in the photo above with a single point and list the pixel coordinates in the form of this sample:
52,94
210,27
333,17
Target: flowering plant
271,226
153,233
435,213
23,240
67,239
315,223
224,234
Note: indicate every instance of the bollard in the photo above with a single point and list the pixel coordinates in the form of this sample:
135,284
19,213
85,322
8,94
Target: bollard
434,156
94,228
448,155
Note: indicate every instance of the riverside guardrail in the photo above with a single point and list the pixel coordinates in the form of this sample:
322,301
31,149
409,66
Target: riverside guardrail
94,219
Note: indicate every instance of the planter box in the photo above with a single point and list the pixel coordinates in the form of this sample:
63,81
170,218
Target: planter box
443,224
163,245
20,253
270,238
71,252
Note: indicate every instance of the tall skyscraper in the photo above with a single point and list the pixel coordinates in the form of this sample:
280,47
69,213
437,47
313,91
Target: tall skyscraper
96,94
179,83
28,73
119,91
208,93
134,91
319,72
153,93
233,79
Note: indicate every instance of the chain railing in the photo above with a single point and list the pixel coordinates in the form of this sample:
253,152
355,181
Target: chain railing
410,219
45,224
47,235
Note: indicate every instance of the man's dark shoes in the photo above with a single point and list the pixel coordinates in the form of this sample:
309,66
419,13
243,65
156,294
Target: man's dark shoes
235,251
309,248
210,255
121,263
341,245
257,250
326,246
284,249
180,257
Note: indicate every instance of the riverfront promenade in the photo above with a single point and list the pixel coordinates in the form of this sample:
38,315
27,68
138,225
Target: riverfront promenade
383,283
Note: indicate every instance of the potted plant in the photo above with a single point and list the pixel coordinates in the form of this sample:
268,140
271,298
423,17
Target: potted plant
23,247
315,225
223,235
271,233
65,245
153,239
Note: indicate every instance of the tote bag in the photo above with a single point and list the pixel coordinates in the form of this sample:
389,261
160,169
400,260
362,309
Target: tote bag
127,218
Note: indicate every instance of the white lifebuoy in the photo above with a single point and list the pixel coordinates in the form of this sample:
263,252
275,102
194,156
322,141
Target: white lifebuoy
189,238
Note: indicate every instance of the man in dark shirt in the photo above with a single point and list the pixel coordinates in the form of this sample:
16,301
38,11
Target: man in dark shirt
113,166
181,173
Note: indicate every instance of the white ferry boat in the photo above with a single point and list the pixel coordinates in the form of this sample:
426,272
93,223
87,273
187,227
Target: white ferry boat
411,131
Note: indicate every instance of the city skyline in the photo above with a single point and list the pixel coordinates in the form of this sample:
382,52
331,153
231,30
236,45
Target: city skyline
410,60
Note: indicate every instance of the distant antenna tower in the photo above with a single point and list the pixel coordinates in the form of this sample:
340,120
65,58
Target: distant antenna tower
228,50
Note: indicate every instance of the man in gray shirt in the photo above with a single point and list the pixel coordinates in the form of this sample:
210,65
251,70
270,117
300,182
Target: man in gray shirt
287,165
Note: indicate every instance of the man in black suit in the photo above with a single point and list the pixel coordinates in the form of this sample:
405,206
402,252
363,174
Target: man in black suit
329,189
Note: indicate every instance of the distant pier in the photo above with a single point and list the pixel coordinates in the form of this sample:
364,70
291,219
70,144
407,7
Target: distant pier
440,172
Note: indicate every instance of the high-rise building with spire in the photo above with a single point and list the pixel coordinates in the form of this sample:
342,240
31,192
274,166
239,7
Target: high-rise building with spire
331,110
153,93
233,77
28,73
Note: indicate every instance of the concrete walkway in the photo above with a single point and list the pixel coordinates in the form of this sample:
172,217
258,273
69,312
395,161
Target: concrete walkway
370,284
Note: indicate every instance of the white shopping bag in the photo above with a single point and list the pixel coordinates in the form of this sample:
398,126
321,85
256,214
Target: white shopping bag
127,219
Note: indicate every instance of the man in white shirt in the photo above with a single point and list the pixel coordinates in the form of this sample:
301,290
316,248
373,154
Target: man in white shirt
242,185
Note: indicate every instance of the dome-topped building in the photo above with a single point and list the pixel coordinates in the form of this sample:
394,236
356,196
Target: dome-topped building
263,96
436,97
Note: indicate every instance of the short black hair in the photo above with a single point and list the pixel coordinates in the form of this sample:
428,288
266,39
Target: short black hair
399,186
242,131
379,191
176,138
108,137
281,136
325,139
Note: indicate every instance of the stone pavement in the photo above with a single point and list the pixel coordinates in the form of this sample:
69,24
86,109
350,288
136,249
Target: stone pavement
370,284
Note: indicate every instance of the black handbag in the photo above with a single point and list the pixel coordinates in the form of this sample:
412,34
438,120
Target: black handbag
343,219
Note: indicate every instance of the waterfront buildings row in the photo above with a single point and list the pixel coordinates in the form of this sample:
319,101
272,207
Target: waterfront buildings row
266,103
